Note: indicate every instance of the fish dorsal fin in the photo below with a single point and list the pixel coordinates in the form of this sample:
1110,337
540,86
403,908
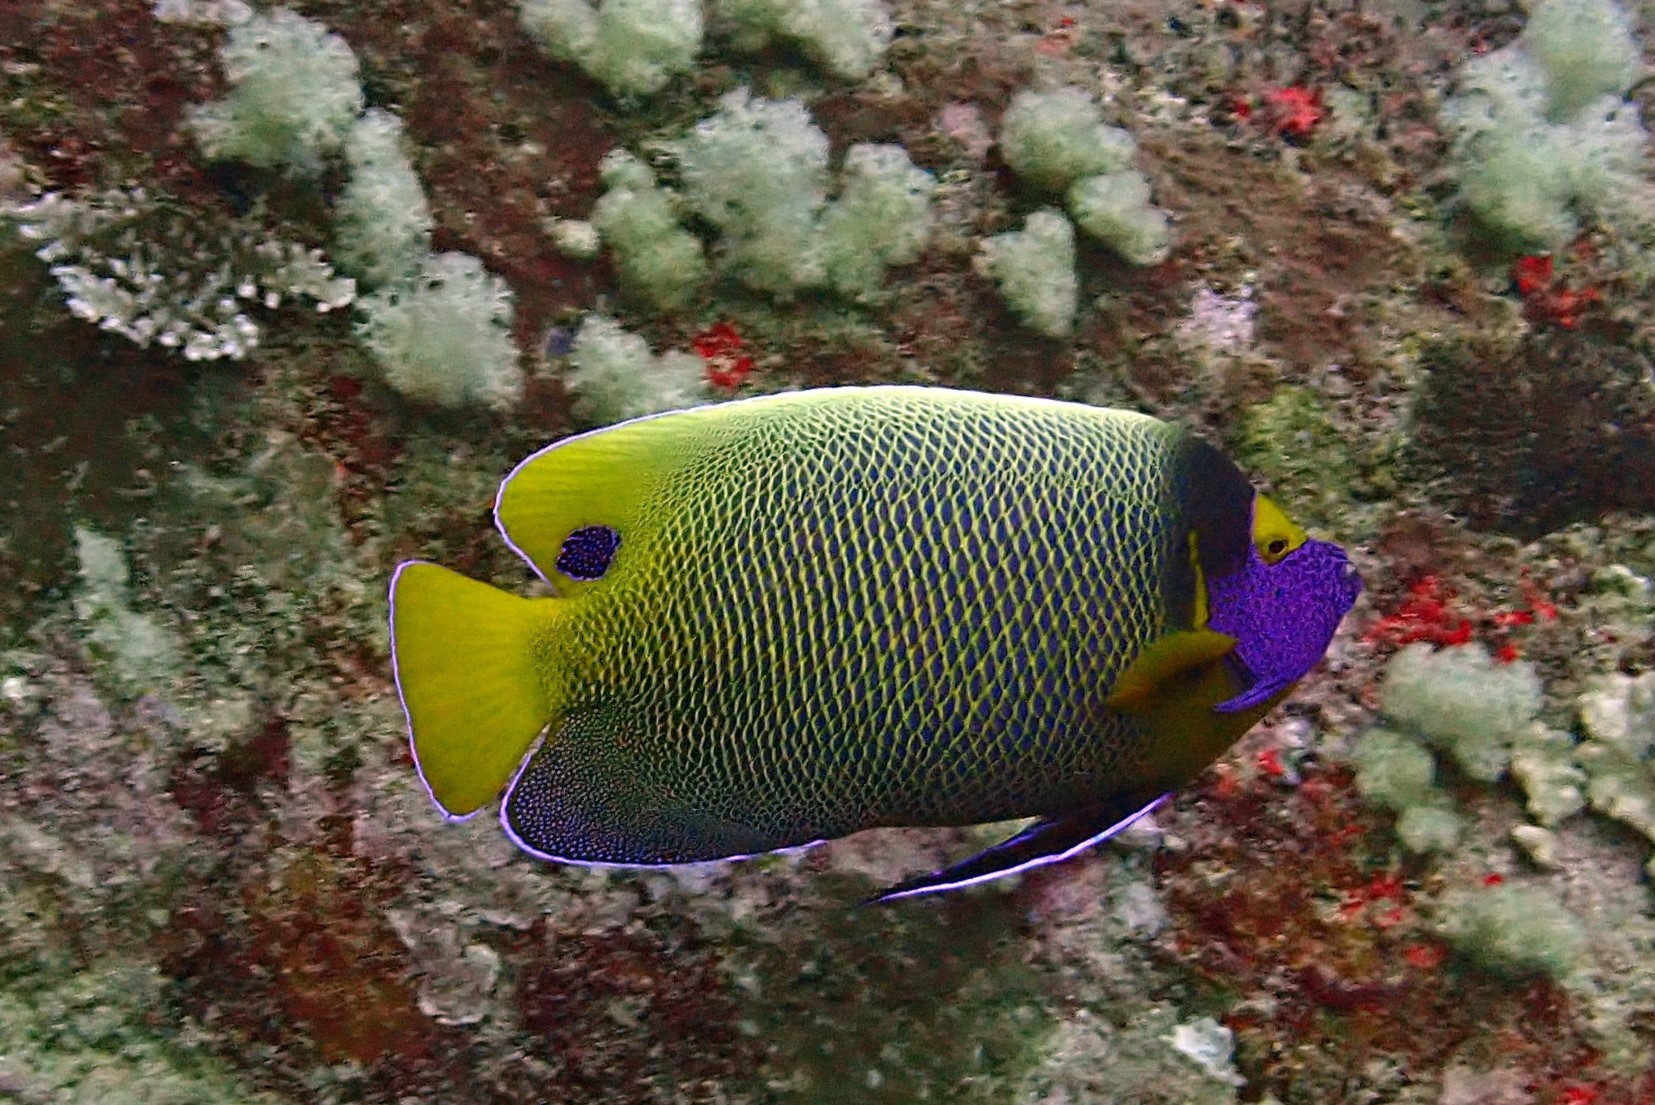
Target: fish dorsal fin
1166,665
601,479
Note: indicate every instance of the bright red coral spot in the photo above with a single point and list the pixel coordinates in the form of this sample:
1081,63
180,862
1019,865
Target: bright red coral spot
1426,615
1430,614
1269,762
1532,273
1386,887
1425,957
719,346
1578,1094
1391,917
1294,110
1547,297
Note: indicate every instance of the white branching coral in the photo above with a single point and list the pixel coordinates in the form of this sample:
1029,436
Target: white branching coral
130,264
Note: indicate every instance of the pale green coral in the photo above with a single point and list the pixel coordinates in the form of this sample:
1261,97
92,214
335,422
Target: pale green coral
758,171
382,228
1430,827
1618,715
1058,142
632,47
1114,208
1462,702
1540,132
1543,763
1053,139
445,338
1585,48
1035,269
1483,715
655,258
1394,771
1512,930
576,238
881,218
293,94
614,376
135,649
848,38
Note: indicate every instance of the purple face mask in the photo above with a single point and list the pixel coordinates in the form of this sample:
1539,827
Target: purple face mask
1282,615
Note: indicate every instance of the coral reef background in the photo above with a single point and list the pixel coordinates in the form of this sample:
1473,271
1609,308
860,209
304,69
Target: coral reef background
240,378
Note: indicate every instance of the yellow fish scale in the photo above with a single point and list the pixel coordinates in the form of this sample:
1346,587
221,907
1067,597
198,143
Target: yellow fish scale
898,607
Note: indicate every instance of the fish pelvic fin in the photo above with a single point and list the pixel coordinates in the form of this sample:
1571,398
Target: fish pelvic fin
1049,840
472,669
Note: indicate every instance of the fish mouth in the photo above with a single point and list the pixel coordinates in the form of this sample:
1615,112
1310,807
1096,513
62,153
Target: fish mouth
1320,585
1350,579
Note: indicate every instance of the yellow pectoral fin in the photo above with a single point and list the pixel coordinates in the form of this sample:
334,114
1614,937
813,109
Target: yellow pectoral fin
1165,667
468,660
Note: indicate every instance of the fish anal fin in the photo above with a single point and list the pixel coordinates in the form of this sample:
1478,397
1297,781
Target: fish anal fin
584,797
1166,665
1264,693
1049,840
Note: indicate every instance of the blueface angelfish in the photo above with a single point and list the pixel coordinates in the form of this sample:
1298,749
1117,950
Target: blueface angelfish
790,618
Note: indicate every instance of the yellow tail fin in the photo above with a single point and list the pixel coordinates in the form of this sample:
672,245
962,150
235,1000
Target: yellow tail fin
470,665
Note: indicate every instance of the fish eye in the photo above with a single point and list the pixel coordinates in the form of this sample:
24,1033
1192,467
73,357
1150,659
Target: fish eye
1275,549
586,553
1274,535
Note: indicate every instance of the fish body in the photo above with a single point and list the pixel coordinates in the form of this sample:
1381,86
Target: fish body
787,619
